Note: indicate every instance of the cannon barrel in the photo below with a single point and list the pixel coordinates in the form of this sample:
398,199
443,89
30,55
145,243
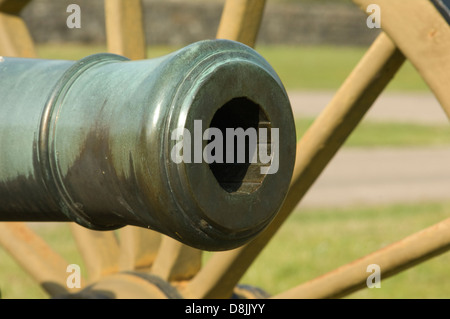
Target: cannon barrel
97,141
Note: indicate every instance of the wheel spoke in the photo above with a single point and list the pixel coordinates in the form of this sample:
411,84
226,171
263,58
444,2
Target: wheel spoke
99,250
15,39
125,29
138,248
176,261
316,148
427,43
241,20
36,257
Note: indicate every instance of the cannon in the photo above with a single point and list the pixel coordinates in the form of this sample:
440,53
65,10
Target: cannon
97,142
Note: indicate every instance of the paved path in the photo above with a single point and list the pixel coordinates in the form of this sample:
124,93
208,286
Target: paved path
381,176
378,175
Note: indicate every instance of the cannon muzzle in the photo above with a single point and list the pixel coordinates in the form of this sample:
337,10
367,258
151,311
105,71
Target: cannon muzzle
198,145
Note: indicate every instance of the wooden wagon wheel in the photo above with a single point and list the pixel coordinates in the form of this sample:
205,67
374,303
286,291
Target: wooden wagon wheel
145,264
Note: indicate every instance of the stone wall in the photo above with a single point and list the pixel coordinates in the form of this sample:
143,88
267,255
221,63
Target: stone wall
175,22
